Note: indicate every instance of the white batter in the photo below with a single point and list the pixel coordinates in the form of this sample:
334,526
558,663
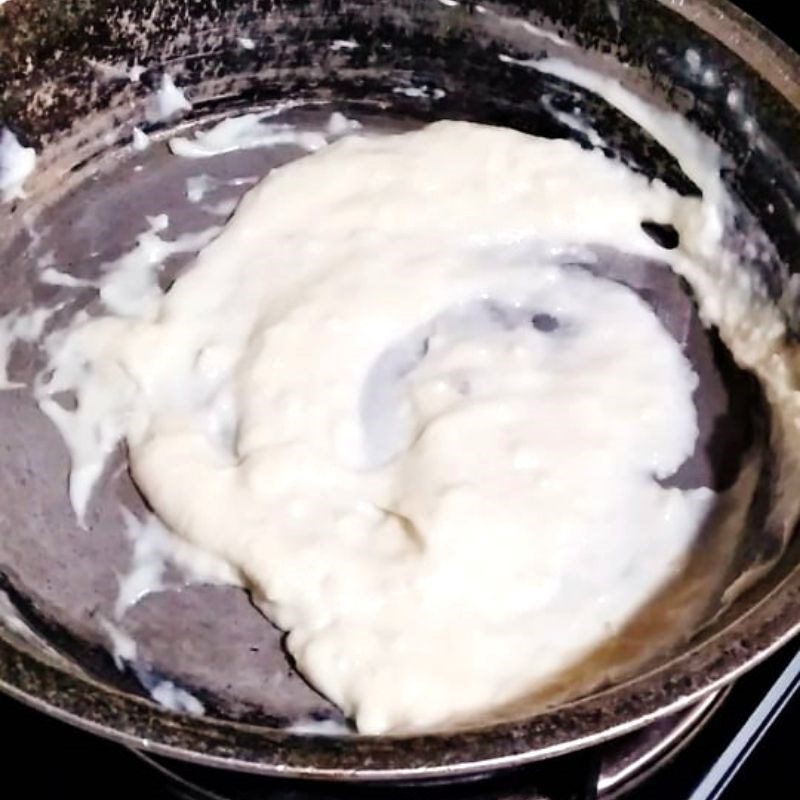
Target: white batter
16,165
168,102
430,446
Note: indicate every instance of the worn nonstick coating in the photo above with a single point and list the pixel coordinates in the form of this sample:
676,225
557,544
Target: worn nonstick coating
64,89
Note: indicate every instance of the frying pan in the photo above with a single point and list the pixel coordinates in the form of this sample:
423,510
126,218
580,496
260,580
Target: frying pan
67,89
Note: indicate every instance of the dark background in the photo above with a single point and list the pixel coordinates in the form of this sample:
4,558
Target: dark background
774,14
43,759
777,15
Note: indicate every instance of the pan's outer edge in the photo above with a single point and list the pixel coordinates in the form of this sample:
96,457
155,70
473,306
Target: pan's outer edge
754,44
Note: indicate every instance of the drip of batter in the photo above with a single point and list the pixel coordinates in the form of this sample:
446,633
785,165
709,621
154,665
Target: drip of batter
16,165
388,397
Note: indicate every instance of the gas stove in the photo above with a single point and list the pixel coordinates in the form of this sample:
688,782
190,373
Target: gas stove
720,749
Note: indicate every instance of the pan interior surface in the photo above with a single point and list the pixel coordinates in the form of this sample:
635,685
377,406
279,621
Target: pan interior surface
98,194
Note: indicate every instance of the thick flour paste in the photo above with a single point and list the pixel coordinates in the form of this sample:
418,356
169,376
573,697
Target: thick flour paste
386,396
